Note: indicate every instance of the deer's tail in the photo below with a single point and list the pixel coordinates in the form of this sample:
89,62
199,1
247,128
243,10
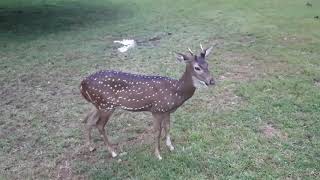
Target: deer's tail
83,91
85,95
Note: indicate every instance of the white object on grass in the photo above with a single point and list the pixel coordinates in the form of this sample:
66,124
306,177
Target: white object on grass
127,44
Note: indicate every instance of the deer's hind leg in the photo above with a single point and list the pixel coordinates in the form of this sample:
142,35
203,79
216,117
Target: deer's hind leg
103,119
91,119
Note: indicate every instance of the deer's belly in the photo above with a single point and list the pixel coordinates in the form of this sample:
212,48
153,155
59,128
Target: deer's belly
136,107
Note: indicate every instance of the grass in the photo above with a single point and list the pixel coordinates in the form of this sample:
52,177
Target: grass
260,122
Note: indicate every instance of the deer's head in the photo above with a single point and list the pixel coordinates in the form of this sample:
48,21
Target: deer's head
197,66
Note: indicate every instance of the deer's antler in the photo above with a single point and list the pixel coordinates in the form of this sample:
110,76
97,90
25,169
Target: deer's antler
201,47
190,51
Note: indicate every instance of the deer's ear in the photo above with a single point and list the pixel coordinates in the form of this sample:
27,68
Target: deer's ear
181,57
206,52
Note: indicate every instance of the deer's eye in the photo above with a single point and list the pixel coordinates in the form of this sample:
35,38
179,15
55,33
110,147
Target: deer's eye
197,68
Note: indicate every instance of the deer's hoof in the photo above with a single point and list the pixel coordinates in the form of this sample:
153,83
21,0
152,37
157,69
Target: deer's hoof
91,149
171,148
169,144
113,154
157,153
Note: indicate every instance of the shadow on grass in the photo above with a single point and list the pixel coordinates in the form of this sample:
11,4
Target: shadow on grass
31,21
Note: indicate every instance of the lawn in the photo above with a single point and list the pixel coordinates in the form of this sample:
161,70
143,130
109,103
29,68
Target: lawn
261,120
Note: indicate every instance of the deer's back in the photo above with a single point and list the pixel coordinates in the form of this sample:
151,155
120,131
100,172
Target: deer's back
110,89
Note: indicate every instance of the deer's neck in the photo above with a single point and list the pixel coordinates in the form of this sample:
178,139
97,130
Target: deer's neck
185,85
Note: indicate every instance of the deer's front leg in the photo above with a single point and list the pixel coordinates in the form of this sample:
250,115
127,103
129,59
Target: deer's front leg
157,125
167,132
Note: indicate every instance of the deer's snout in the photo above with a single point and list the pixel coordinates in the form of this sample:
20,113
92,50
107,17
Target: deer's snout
212,82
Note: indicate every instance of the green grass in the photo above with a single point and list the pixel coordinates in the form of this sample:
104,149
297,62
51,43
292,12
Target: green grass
261,121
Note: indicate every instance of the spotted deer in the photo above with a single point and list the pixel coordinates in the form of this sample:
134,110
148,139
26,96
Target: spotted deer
109,90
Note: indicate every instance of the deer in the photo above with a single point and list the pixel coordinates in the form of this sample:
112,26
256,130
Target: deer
108,90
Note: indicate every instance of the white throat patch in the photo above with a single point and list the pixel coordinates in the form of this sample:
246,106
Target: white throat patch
197,83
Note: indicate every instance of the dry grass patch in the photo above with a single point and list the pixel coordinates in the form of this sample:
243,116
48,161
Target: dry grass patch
294,39
219,99
269,130
238,67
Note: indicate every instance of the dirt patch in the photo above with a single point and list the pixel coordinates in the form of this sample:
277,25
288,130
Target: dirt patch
222,100
293,39
269,131
64,170
64,163
153,40
238,67
238,73
218,42
75,55
226,99
241,67
146,137
247,39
